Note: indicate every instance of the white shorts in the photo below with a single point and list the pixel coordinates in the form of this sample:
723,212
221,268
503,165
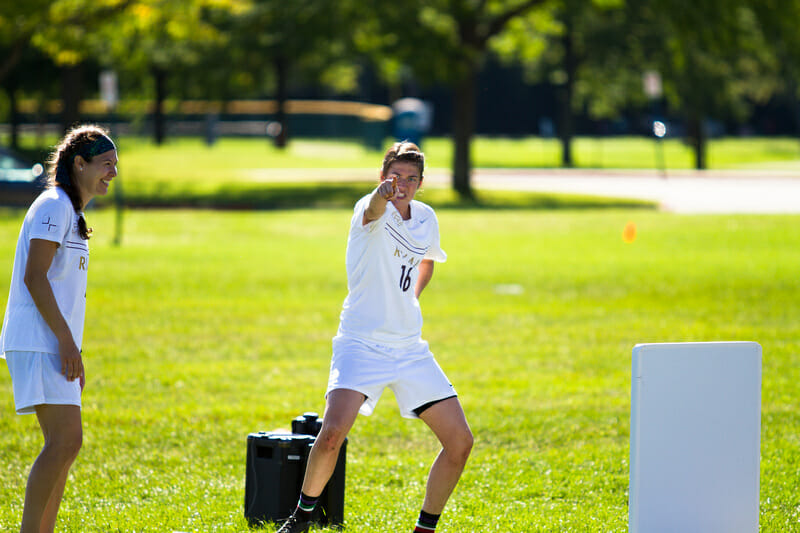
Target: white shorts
37,379
411,372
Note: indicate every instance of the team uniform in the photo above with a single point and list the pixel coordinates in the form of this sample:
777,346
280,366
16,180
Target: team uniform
379,342
27,343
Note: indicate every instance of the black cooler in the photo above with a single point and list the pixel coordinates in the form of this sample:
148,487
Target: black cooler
276,464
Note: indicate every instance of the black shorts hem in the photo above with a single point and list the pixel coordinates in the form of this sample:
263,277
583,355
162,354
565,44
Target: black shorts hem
422,408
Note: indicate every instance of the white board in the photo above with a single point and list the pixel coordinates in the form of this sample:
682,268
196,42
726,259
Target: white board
695,437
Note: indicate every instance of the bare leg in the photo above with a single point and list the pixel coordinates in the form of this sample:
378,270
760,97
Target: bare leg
341,410
63,435
51,511
448,422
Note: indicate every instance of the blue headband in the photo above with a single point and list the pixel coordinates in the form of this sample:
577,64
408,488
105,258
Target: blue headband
100,145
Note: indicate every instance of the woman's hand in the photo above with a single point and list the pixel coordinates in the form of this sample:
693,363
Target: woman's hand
387,189
377,203
71,360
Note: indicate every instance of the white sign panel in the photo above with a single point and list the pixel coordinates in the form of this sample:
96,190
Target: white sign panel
695,437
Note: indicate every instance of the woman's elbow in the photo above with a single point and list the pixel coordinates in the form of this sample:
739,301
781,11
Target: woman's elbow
28,279
32,280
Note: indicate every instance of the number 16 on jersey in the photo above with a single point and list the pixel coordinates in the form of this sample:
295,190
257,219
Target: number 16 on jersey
405,277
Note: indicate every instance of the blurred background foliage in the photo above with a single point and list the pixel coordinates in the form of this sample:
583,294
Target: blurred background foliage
552,68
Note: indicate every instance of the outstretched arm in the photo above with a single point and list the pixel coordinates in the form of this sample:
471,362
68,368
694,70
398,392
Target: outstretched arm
377,202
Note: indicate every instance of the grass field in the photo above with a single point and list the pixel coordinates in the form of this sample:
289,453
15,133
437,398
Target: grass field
205,326
246,173
251,173
230,155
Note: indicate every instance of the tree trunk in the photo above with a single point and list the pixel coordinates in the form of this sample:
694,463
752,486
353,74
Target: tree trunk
282,78
71,93
159,120
697,140
463,130
10,61
795,103
565,95
14,119
797,116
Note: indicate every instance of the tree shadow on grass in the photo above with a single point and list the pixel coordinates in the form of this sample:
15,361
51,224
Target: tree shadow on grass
345,194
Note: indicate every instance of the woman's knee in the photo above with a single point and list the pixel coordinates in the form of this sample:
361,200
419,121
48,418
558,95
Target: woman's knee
66,444
340,414
332,435
62,429
460,446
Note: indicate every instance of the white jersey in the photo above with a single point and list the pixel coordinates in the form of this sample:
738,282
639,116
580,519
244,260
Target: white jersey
51,217
382,260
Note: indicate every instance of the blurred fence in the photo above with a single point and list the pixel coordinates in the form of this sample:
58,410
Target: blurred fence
370,123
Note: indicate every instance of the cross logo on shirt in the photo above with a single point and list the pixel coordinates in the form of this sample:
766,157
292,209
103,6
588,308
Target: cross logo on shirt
47,223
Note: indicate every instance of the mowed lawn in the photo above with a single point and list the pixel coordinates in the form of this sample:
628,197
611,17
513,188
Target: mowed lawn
247,173
205,326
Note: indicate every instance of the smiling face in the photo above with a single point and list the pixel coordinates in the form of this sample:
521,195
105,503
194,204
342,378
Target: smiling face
93,177
408,182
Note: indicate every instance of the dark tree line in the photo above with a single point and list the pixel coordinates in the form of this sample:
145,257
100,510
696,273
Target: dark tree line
715,58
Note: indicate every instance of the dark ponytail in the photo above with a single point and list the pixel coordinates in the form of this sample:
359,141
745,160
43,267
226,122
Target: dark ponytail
78,141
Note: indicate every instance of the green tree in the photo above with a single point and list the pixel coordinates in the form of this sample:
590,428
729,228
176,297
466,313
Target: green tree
64,30
276,43
580,52
442,41
19,82
159,39
18,23
778,20
711,55
72,36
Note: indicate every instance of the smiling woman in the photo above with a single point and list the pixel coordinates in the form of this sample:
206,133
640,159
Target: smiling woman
83,165
43,325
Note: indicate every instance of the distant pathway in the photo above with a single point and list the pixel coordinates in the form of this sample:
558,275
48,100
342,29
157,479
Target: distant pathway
735,191
678,192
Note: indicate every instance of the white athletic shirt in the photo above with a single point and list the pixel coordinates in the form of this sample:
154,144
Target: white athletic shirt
382,260
52,218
